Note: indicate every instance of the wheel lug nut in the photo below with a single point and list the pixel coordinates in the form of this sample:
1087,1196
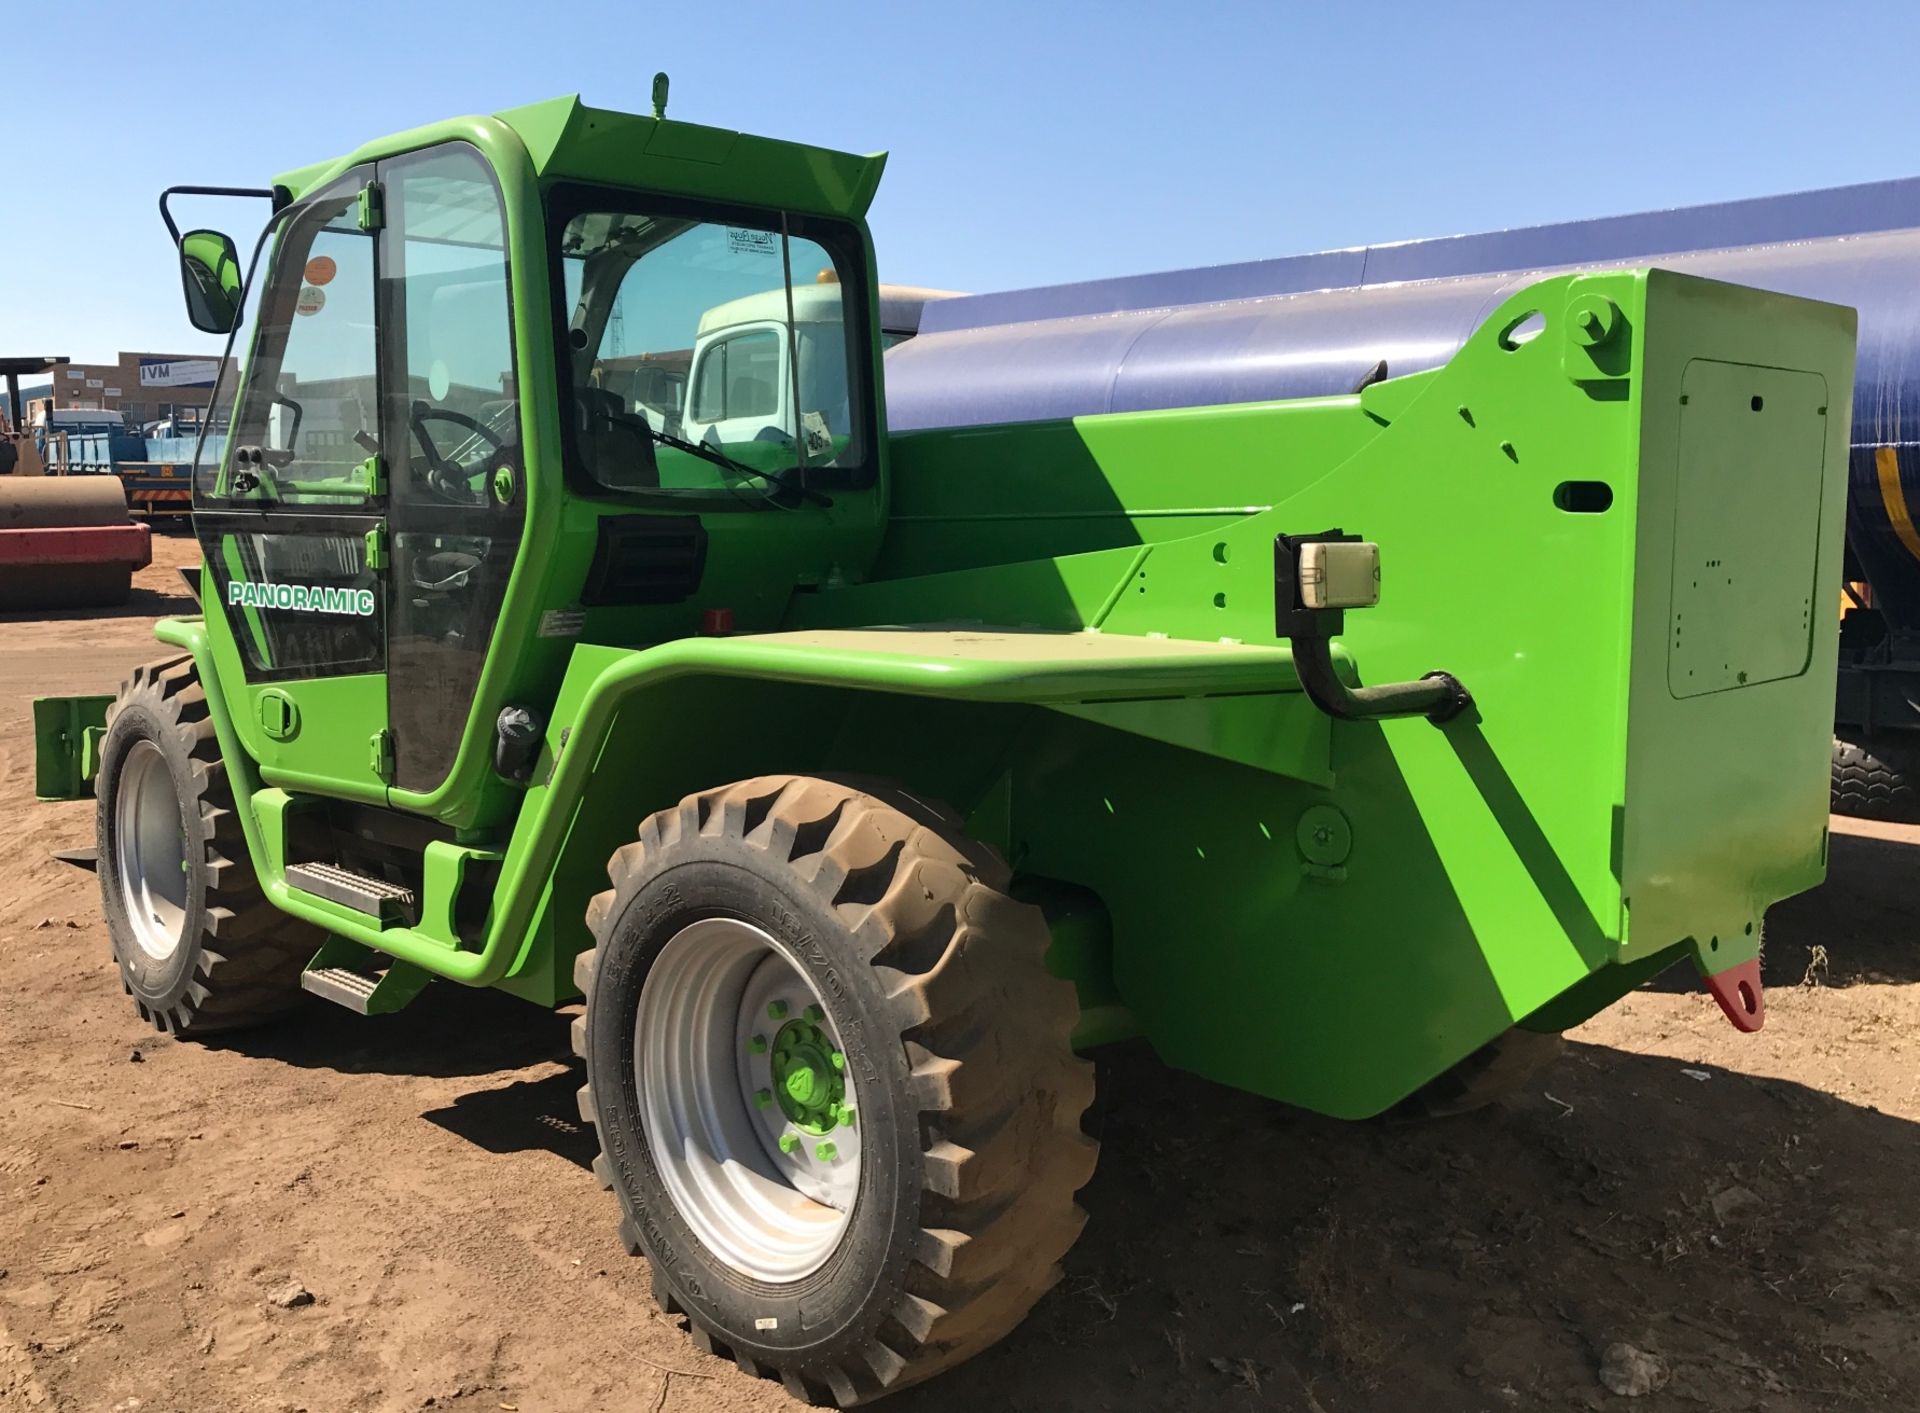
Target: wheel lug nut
762,1098
757,1045
839,1060
815,1014
789,1142
826,1152
777,1010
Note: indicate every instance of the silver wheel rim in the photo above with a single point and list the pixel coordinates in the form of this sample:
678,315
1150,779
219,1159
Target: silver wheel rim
150,851
722,1005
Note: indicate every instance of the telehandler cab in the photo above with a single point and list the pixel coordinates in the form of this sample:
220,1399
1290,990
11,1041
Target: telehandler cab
858,784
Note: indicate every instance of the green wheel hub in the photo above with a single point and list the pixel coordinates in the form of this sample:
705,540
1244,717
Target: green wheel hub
809,1075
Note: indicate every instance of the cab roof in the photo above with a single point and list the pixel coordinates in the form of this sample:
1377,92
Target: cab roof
569,141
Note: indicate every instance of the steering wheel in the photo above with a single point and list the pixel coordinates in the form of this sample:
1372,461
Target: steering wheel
449,479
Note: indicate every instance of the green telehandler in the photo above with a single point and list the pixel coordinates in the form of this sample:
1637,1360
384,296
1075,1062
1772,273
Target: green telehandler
563,635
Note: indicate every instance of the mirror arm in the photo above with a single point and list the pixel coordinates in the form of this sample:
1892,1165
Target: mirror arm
173,230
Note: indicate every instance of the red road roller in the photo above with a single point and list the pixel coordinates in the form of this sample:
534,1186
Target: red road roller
66,542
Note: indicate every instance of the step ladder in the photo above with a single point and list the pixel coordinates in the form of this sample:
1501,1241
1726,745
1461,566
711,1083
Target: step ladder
365,982
389,904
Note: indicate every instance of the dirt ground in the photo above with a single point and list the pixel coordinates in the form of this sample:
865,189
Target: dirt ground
1745,1210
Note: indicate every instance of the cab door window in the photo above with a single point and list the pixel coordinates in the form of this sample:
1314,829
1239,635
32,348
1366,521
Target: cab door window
286,528
309,409
457,491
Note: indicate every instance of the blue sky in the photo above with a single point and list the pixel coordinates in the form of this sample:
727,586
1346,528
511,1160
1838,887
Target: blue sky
1031,143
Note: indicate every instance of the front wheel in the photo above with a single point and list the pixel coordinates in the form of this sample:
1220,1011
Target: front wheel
833,1082
199,947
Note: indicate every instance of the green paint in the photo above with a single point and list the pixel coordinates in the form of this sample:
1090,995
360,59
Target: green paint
806,1074
65,745
1326,913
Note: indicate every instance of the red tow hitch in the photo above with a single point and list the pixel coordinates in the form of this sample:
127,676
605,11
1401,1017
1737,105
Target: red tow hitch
1737,989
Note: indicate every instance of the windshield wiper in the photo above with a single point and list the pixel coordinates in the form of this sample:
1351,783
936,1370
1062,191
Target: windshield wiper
780,478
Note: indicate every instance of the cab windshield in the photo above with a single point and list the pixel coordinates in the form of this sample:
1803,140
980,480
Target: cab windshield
717,358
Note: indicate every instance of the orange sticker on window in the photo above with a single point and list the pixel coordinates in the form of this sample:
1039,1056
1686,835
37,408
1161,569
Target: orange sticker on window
311,301
320,270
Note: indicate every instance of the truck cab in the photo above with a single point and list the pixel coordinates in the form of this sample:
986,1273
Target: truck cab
744,378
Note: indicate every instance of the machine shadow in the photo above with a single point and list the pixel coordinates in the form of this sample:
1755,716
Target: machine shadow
167,602
1529,840
528,1115
451,1031
1243,1255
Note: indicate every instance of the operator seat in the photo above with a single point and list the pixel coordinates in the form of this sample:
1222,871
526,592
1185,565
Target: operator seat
614,441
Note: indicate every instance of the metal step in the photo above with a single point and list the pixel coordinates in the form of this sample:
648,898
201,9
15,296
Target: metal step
391,904
366,982
341,985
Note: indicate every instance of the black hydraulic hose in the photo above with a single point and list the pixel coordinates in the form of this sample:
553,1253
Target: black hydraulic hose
1438,696
1309,631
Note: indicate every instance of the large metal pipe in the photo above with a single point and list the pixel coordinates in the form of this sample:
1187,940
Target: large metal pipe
1314,325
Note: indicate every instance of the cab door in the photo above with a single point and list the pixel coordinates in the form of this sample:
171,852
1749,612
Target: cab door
291,516
456,473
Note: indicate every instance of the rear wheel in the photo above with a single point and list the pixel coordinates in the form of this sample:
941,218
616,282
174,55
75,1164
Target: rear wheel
833,1082
200,949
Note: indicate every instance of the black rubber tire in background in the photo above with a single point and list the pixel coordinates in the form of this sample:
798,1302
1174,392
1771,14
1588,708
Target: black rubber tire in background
972,1095
1874,777
240,958
1502,1067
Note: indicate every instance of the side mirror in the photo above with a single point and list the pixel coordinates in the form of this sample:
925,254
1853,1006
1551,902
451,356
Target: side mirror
210,274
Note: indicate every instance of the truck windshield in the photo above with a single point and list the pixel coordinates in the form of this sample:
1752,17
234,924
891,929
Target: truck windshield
730,335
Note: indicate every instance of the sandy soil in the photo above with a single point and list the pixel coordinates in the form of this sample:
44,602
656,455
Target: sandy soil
1742,1209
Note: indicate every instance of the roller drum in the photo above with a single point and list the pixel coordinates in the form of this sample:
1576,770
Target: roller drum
38,569
46,502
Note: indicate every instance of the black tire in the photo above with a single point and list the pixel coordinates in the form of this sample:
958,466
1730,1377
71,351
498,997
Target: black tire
1874,778
238,958
1498,1070
970,1094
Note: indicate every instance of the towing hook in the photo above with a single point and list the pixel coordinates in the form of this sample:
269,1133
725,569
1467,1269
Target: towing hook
1742,998
1316,578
